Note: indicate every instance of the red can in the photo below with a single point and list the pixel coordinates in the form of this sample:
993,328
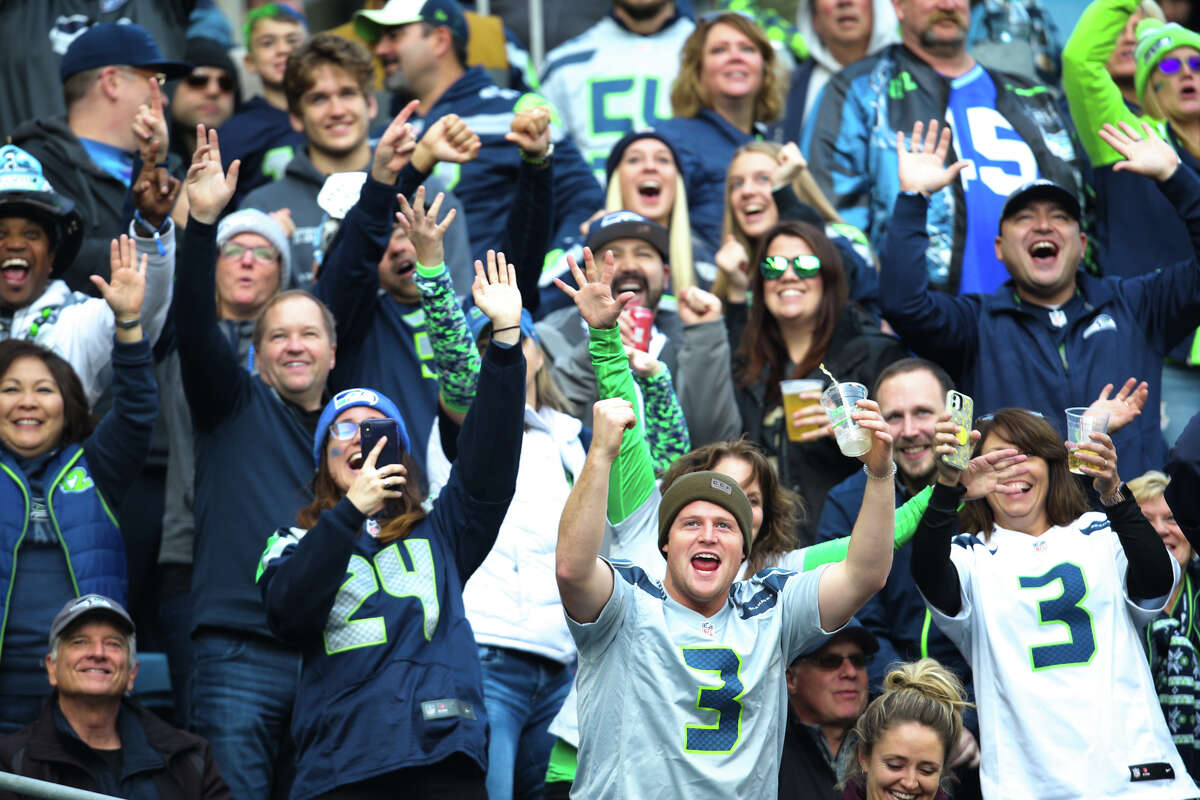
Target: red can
643,321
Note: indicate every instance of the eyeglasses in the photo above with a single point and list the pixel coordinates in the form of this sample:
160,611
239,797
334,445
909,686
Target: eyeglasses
235,251
1170,66
159,77
805,266
831,661
198,81
343,431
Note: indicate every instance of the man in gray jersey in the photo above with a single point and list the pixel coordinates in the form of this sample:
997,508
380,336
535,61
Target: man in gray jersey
681,682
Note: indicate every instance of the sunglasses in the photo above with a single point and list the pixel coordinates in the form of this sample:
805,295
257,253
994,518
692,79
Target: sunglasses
236,251
831,661
224,82
343,431
1170,66
805,266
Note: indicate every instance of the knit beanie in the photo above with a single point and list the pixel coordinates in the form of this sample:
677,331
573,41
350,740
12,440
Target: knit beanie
714,487
1155,41
251,220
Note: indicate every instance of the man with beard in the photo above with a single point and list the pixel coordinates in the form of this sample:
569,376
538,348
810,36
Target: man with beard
615,100
691,341
328,85
1009,131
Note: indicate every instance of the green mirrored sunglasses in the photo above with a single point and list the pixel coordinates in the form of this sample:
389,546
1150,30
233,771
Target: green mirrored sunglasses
805,266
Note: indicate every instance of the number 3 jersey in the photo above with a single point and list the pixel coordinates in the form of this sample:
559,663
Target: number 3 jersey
1067,706
674,704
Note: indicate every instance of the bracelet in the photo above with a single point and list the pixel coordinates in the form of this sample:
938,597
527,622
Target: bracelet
127,324
1117,496
538,161
138,219
875,477
502,330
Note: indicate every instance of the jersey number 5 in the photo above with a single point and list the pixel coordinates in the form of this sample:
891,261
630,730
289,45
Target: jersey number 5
1065,609
724,699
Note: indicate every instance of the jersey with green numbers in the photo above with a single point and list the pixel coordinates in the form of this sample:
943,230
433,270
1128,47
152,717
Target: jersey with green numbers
670,699
1067,706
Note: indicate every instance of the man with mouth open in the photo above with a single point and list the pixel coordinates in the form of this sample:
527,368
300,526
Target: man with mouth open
681,682
1053,336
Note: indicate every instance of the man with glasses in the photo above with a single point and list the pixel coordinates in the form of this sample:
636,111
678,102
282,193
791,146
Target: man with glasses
208,94
827,691
88,155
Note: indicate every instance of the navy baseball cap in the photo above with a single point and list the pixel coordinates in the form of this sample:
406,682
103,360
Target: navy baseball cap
369,24
853,630
629,225
111,43
1040,189
477,321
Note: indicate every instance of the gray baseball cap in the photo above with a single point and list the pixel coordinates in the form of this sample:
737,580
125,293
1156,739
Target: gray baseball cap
90,604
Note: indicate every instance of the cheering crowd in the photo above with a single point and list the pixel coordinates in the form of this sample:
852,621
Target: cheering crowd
732,406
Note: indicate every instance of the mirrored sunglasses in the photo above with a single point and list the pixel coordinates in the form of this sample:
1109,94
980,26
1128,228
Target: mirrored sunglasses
1169,66
805,266
343,431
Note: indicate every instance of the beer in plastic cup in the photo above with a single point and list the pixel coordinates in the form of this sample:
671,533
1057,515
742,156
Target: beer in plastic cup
792,402
840,401
1080,422
643,321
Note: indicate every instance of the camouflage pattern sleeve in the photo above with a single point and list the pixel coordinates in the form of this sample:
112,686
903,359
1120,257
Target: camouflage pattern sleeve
666,429
454,354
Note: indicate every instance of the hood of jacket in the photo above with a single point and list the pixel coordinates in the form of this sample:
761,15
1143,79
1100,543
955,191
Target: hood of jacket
885,30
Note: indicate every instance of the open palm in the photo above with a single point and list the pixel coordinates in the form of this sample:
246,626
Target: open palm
922,164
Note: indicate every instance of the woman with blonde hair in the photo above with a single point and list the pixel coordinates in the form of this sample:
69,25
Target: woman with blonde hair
728,86
906,735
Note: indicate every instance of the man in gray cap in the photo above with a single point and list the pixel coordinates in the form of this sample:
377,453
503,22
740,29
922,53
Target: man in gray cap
90,735
680,681
1053,336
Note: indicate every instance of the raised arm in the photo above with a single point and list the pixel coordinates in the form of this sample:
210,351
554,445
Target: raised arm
585,581
531,219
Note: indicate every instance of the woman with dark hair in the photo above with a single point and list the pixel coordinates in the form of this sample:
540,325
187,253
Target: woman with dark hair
728,86
1045,599
371,587
800,319
61,475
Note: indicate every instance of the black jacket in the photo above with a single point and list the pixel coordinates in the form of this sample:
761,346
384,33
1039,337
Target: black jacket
160,762
804,774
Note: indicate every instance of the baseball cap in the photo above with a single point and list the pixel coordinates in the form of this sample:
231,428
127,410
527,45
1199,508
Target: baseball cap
89,604
1040,189
367,23
477,322
852,630
349,398
114,43
629,225
715,487
25,192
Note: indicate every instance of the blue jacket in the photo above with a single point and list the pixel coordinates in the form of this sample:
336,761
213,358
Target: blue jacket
391,678
852,154
86,481
1002,354
705,145
486,185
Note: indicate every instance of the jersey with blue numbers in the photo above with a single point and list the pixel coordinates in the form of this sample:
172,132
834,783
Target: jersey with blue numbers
675,704
608,81
1067,706
1000,162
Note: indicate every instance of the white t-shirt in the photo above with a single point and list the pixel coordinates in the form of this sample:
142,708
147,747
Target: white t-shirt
1067,706
674,704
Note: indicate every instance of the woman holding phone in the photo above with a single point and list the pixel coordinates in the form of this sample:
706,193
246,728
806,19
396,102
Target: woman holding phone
374,601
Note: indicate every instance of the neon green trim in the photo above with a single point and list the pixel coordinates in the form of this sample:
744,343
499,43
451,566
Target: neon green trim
431,272
925,634
12,578
1194,355
564,763
54,518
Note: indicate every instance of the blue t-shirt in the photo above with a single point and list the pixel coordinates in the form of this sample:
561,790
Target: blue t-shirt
1000,162
113,160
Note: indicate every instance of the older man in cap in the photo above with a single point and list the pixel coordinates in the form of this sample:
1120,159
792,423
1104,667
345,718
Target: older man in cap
90,735
108,73
1053,336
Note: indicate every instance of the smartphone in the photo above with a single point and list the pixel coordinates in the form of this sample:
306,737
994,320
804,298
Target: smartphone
372,430
962,409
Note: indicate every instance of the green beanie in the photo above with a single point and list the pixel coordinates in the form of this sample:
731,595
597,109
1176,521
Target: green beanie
714,487
1154,41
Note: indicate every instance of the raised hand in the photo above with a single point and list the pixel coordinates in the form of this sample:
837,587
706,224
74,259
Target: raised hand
791,164
734,263
209,187
594,297
530,131
945,441
373,487
1125,407
879,458
497,296
424,231
154,190
697,305
395,147
284,217
447,139
1145,152
125,289
150,129
611,417
1098,458
992,473
922,164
